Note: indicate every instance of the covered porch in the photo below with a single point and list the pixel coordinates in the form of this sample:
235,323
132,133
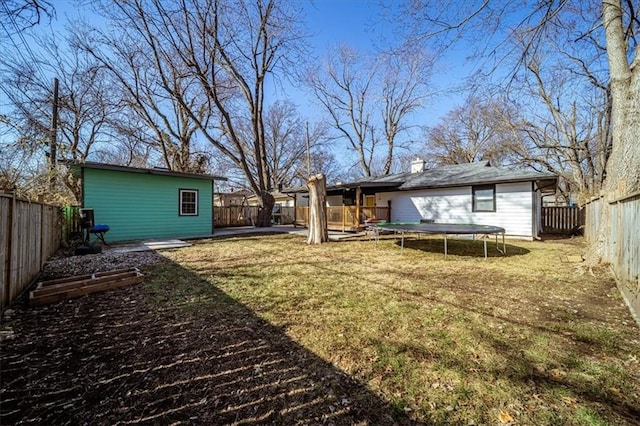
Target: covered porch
348,207
344,218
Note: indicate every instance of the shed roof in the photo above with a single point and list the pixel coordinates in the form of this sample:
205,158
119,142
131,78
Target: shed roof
156,171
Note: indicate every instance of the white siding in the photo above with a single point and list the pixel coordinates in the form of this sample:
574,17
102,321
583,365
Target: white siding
514,209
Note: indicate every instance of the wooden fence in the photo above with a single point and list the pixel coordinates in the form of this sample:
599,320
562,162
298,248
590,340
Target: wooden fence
344,218
230,216
562,219
619,224
224,216
29,235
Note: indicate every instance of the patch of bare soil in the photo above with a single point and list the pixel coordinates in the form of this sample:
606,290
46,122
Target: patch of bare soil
121,358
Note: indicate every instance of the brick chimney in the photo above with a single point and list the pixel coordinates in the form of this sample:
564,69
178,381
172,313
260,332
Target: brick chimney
417,165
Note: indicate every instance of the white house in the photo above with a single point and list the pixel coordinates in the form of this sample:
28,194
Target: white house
464,193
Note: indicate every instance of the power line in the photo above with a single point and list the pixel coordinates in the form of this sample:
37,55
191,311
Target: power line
24,43
21,55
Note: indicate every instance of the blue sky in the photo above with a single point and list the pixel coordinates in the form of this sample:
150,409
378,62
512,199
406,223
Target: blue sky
357,23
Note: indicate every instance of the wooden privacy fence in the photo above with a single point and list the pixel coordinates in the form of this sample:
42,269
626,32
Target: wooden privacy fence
620,221
234,215
229,216
29,235
561,220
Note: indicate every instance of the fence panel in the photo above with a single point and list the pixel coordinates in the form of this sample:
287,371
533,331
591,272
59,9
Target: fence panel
5,241
376,213
224,216
618,221
302,216
29,234
561,219
288,213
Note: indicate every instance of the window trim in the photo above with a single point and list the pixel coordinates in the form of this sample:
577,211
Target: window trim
474,198
181,202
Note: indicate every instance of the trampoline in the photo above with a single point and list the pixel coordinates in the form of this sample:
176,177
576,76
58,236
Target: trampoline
442,229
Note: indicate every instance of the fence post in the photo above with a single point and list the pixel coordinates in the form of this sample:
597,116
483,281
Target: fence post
11,220
41,260
344,217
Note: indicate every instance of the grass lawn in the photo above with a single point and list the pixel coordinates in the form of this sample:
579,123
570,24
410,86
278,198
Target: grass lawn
528,338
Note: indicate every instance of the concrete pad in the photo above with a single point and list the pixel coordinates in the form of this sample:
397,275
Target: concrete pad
147,246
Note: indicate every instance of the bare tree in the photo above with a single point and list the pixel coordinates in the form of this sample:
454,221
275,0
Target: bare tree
369,100
287,138
569,137
147,80
18,15
225,50
84,107
476,131
323,161
622,25
595,35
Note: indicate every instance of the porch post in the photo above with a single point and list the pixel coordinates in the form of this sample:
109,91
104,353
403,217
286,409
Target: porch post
358,196
344,217
295,209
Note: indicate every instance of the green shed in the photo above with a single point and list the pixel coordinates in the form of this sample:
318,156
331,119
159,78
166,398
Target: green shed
140,204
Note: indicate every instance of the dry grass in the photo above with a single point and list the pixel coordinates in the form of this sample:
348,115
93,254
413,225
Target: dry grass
524,339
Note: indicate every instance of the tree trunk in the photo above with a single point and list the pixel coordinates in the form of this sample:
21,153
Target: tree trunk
318,233
265,212
622,173
623,176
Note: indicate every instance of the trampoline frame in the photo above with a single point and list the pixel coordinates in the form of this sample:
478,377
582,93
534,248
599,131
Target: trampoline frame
443,229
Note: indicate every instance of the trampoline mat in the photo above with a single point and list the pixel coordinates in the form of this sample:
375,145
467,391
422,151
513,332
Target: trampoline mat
442,228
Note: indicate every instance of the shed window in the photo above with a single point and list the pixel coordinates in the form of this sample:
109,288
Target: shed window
188,202
484,198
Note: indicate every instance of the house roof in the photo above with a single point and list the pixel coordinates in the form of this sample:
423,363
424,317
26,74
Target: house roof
472,174
448,176
156,171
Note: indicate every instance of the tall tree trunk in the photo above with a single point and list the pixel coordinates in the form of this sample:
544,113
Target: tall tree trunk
266,211
623,171
623,166
318,233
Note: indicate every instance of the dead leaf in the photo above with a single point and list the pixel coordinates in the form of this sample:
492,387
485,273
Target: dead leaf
505,417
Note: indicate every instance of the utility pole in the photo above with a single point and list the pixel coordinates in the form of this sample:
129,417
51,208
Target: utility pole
54,132
54,124
308,152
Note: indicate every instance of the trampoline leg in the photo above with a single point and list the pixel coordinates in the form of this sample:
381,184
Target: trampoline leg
504,247
445,246
485,248
402,243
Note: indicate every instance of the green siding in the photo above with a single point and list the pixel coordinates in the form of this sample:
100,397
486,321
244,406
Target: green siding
140,206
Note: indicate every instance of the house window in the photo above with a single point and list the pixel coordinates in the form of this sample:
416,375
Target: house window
188,202
484,198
